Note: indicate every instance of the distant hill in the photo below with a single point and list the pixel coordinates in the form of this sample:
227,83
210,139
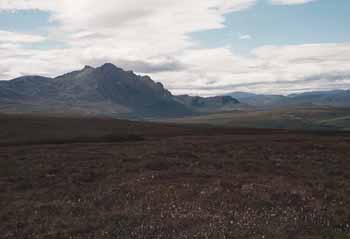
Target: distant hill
336,98
258,100
301,118
210,104
105,91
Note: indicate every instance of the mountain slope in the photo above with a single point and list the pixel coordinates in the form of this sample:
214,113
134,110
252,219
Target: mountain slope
257,100
339,98
210,104
106,90
336,98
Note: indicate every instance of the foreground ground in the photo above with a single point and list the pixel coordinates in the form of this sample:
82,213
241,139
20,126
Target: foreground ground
75,178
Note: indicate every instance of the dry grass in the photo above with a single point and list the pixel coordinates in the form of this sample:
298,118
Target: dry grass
181,183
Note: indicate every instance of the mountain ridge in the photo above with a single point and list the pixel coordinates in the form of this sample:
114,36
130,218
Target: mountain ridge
106,90
334,98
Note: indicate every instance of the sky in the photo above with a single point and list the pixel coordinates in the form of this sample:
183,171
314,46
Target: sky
196,47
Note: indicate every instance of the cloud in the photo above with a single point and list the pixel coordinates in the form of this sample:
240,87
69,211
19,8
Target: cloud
152,67
244,36
290,2
140,33
161,65
269,69
7,37
152,37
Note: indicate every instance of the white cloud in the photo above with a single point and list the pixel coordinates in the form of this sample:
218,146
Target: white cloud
290,2
26,4
152,37
244,36
7,37
128,30
270,69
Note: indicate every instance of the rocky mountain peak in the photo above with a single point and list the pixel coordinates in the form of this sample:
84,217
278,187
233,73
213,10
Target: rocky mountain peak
105,90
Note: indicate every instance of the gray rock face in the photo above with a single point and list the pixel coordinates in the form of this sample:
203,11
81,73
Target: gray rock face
106,90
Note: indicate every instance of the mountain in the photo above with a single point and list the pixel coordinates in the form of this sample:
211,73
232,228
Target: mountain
336,98
210,104
257,100
105,90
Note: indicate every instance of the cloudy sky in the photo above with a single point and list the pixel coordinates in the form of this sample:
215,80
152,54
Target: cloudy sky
198,47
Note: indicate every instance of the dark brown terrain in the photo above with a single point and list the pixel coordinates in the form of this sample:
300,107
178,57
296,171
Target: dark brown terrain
103,178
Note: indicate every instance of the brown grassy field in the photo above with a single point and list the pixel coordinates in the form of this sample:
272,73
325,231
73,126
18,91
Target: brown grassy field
302,118
103,178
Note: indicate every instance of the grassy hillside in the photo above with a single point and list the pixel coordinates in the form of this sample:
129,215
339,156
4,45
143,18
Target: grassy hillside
302,118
